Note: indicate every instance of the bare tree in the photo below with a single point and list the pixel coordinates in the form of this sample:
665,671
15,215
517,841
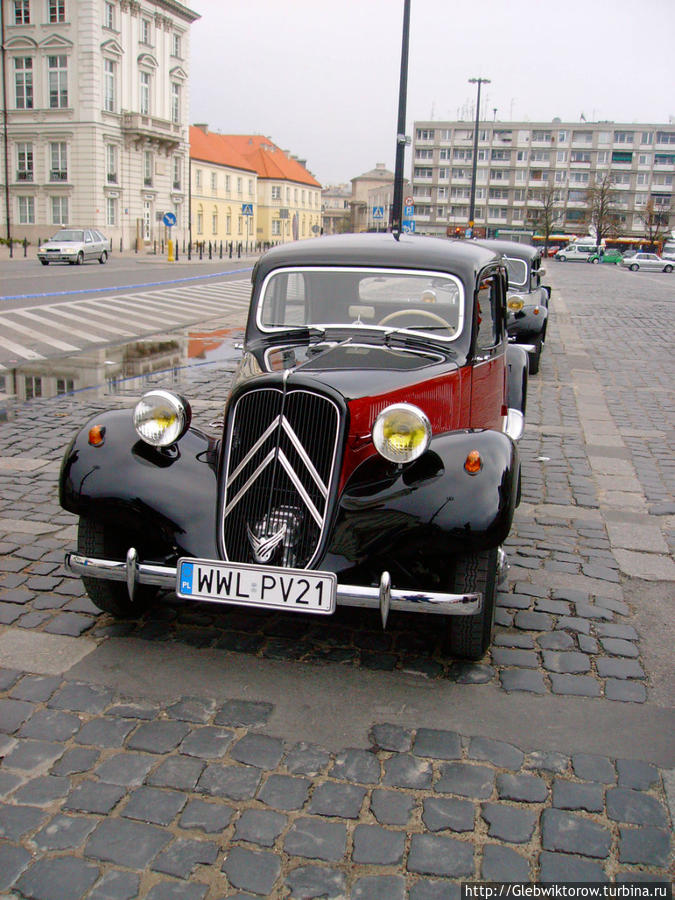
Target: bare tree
603,216
655,221
546,212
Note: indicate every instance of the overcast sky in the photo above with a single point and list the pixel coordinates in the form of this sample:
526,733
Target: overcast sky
321,77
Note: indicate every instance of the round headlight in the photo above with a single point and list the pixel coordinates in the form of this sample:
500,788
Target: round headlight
515,304
161,418
401,433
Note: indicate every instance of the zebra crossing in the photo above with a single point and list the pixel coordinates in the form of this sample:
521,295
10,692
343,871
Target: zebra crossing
38,332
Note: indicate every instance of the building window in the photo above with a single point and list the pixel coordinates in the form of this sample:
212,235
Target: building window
22,12
228,221
23,82
214,221
59,210
582,137
276,192
198,178
276,227
64,386
147,220
603,157
56,11
175,103
541,136
111,211
57,67
240,184
175,45
146,32
425,134
623,137
58,169
200,220
647,137
424,154
214,181
109,85
26,210
177,214
147,168
33,385
563,136
109,16
145,94
250,187
580,156
423,172
24,162
111,163
561,156
177,169
665,137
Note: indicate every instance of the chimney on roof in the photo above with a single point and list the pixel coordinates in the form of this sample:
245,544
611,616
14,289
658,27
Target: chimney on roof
204,127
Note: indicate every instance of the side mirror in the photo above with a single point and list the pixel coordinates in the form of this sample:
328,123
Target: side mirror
541,272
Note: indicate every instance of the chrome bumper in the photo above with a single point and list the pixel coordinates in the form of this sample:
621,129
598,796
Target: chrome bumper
383,597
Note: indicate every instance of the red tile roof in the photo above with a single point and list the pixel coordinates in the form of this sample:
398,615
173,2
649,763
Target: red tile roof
215,148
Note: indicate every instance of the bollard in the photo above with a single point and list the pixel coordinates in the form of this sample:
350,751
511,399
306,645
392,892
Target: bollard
11,249
176,251
210,257
230,249
221,249
120,245
154,248
25,247
189,250
239,251
170,257
183,245
201,248
162,246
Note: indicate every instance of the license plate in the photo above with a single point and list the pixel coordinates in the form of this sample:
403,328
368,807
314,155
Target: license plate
297,590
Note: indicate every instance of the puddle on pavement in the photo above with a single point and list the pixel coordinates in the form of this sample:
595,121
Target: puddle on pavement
175,356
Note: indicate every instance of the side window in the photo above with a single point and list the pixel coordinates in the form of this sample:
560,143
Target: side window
488,300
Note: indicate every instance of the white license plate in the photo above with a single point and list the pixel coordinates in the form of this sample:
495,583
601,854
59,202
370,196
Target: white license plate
297,590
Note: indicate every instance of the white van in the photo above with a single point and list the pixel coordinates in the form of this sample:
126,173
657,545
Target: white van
668,251
576,252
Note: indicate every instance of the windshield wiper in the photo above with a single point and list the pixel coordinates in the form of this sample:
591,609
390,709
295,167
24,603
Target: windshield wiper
309,333
405,337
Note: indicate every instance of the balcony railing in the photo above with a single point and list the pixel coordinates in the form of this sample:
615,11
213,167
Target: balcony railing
145,127
23,175
58,175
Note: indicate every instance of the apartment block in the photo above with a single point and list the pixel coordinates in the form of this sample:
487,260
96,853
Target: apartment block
519,162
97,117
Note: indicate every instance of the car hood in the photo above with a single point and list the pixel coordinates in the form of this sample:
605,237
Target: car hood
61,245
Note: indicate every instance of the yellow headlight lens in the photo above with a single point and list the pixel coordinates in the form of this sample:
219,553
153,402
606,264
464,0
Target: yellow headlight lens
515,304
401,433
161,418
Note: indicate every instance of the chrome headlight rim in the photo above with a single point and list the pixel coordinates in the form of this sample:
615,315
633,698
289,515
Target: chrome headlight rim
161,417
416,417
515,302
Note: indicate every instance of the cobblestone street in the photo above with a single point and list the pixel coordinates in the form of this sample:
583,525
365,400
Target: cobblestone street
210,753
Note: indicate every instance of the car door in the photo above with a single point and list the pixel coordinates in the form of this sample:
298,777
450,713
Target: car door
89,247
488,379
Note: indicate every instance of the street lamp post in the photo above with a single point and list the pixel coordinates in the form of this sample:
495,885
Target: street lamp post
401,140
472,201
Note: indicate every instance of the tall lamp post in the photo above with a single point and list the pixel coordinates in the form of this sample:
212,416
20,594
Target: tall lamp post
401,140
472,201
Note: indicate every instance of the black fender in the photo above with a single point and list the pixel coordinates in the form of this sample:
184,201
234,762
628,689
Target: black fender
517,368
166,498
412,520
526,322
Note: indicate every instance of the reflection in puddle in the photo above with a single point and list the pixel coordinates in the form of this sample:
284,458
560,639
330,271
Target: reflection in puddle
123,369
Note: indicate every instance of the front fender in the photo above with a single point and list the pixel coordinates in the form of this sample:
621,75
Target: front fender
526,322
167,497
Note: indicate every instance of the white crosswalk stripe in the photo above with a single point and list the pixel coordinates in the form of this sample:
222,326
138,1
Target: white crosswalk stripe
37,332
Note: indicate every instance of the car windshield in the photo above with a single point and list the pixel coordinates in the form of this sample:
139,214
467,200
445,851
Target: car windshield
431,303
517,270
68,234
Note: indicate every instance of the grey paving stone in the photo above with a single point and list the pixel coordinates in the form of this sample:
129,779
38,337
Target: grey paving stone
154,805
378,887
374,845
125,843
337,799
619,668
590,767
13,861
43,790
75,761
565,662
233,782
406,771
126,769
158,737
209,742
514,639
116,885
635,807
447,857
105,732
17,821
575,685
522,680
172,890
50,725
522,788
59,878
8,783
507,656
500,754
391,807
258,750
285,792
619,647
94,797
561,867
555,607
179,772
612,630
306,759
13,713
78,697
593,611
247,713
191,709
259,826
626,691
391,737
574,623
587,644
533,621
441,813
503,864
9,677
437,744
64,833
509,823
356,765
134,710
35,688
316,881
575,795
206,816
556,640
466,780
547,761
27,755
634,773
183,856
315,839
569,833
647,846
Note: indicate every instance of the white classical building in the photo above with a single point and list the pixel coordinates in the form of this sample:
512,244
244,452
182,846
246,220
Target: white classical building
97,117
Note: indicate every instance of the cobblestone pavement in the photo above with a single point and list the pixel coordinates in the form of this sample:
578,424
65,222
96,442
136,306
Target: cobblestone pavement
143,792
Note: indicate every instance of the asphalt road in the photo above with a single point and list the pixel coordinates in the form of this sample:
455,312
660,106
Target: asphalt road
210,754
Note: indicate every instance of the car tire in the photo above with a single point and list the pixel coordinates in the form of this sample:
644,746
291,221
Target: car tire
470,636
595,261
80,258
634,268
561,258
45,262
667,268
100,539
103,258
533,359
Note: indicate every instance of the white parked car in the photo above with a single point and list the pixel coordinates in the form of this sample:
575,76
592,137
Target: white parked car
576,252
650,262
74,246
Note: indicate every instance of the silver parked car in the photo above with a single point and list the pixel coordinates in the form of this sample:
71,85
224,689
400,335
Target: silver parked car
650,262
74,246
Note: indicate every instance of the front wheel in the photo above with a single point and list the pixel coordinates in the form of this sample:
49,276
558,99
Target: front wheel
45,262
100,539
633,268
470,636
595,261
103,257
80,258
561,258
668,269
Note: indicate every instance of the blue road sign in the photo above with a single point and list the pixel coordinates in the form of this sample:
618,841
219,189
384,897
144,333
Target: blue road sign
409,211
468,232
247,209
169,219
408,226
378,212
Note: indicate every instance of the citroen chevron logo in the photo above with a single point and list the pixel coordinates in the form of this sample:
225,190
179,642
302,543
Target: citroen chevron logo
264,547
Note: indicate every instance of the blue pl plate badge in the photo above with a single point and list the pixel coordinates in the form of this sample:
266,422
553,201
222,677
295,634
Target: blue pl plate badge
186,575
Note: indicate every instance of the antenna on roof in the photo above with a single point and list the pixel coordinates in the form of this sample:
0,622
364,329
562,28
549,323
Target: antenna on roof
401,139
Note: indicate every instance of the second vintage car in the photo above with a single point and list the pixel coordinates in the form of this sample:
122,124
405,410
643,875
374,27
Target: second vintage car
368,454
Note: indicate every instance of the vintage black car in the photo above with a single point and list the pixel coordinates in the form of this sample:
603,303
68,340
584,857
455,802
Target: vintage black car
528,299
367,456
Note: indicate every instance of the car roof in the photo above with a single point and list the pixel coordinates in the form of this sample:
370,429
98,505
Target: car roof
383,250
511,248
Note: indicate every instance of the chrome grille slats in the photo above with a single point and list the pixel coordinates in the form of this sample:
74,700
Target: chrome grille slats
280,463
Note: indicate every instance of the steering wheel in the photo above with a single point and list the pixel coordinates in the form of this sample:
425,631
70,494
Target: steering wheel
425,313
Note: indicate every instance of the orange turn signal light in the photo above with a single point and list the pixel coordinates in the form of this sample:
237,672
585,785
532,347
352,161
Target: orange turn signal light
473,463
96,435
536,310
